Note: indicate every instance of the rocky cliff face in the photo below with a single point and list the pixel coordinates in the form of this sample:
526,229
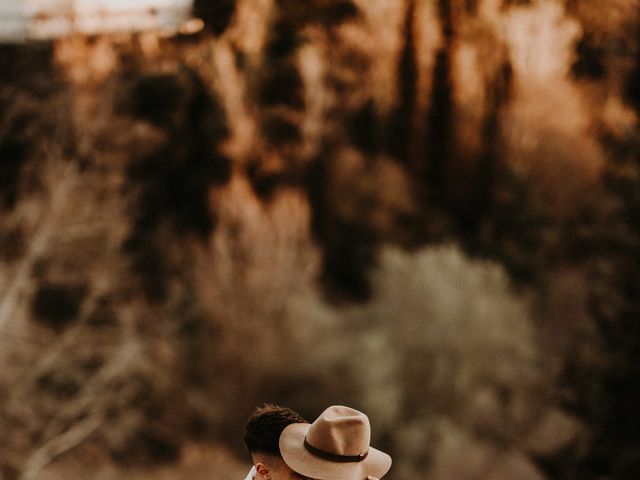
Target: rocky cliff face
425,209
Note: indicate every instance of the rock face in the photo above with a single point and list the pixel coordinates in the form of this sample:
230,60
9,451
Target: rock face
426,209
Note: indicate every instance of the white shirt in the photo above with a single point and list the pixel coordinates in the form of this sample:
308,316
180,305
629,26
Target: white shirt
252,473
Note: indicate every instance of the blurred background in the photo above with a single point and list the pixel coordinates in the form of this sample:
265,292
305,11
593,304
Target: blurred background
428,210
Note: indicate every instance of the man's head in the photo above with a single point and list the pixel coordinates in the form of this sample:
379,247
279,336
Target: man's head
261,437
336,446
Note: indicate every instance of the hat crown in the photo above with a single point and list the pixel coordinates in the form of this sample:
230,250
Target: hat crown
341,431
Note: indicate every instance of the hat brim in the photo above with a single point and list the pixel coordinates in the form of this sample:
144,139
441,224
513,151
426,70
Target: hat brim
300,460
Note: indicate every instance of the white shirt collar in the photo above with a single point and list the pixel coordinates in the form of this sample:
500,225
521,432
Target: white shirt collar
252,474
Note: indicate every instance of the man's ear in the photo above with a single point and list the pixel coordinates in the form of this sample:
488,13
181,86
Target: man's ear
263,471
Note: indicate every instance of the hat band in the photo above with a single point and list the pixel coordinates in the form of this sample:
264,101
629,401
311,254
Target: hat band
332,456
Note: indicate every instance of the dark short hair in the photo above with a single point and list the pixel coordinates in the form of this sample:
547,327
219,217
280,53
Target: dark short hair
262,430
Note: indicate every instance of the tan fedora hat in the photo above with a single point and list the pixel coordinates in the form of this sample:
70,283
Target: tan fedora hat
334,447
